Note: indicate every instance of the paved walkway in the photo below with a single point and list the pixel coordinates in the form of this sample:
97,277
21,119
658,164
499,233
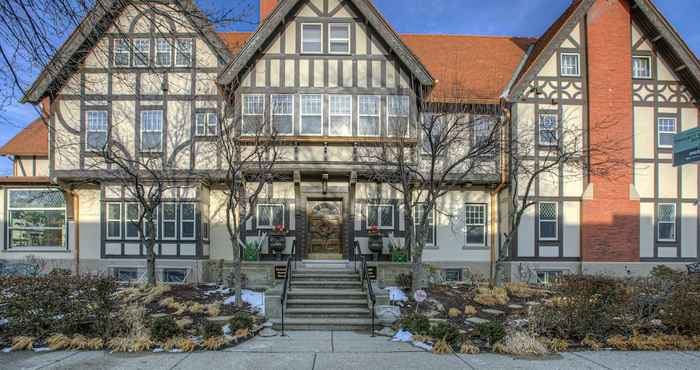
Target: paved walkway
340,350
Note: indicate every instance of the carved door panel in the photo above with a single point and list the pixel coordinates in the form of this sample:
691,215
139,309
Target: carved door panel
325,228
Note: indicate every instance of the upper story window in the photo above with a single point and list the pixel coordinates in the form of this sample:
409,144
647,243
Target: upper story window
311,36
339,38
253,113
641,67
114,220
282,114
666,127
380,215
133,220
163,53
36,219
369,107
570,65
183,53
432,131
340,115
420,210
482,128
666,222
122,53
311,115
476,224
206,124
96,130
142,48
187,220
548,220
270,215
151,130
398,111
169,221
549,129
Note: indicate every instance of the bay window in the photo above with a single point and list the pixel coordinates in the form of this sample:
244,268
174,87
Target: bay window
311,115
417,217
206,124
369,107
548,127
133,216
340,121
36,219
122,53
282,114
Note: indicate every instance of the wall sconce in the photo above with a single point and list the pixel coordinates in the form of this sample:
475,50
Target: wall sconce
324,183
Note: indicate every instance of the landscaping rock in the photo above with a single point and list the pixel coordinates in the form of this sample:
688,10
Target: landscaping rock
157,315
476,321
387,315
493,312
533,303
515,307
220,319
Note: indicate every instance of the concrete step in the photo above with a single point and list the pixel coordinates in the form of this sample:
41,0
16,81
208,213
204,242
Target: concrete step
325,264
346,313
325,276
324,272
326,294
327,303
318,324
326,284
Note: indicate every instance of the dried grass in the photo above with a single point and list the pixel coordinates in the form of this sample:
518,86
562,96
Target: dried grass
58,342
213,309
170,344
180,308
242,333
214,343
119,344
470,310
186,344
196,308
469,348
523,290
22,343
520,344
592,343
141,344
135,318
184,323
619,342
441,347
79,342
491,297
454,312
167,302
153,293
422,338
95,344
556,345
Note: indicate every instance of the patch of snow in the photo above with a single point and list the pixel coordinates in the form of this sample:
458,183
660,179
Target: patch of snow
396,294
220,290
7,350
402,336
255,299
158,350
424,346
3,322
227,329
176,350
42,349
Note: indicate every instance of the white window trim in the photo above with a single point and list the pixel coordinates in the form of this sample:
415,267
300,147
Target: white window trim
389,115
433,228
539,129
578,65
331,40
302,115
272,114
162,118
120,220
193,220
35,248
127,52
331,114
659,132
173,221
301,40
169,52
244,114
257,215
177,51
651,73
659,222
556,222
484,225
88,130
206,132
379,220
378,115
127,221
134,59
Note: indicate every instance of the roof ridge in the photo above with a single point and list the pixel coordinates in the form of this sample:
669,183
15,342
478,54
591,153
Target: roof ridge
467,35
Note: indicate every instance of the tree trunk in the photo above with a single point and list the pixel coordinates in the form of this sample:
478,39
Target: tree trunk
500,277
417,268
150,250
236,272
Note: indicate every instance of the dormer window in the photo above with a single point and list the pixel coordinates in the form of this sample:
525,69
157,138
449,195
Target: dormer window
641,67
570,65
311,36
339,38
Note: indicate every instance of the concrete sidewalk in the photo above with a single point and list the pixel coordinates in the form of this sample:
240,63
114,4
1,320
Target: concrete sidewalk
340,350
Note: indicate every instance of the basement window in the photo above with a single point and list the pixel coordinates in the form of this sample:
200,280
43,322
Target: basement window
453,275
176,276
125,274
548,277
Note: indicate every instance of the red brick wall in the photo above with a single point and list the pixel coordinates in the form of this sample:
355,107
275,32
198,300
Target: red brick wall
266,7
610,221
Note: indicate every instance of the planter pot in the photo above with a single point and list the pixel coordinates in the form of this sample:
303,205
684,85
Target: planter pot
276,243
375,244
399,257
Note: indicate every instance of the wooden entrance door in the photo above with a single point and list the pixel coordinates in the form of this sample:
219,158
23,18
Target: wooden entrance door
325,229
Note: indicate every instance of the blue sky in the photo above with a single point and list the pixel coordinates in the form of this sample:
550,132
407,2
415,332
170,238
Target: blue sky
492,17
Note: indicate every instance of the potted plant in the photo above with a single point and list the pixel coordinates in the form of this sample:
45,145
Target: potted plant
277,241
251,251
375,243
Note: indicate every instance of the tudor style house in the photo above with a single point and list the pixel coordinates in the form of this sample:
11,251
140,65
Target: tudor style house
155,79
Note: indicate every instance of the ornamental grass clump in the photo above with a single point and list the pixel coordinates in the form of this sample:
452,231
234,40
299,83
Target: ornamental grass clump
214,343
520,344
416,324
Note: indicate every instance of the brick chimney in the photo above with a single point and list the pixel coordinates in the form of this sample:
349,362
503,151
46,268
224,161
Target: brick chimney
266,7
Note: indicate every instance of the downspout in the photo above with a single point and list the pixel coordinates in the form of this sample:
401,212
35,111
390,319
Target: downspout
495,245
76,222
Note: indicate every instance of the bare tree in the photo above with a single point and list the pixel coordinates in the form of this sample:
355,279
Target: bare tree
449,146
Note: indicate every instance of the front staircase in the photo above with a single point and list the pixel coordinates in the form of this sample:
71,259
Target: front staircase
326,295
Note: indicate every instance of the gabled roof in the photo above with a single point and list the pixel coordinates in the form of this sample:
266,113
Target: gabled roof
68,57
32,140
285,7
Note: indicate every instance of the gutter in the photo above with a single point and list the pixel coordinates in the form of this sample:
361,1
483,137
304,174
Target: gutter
76,222
495,245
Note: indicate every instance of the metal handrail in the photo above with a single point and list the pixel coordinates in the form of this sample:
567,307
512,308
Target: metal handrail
287,280
364,280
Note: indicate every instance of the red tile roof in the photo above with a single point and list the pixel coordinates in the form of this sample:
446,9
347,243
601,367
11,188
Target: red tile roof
32,140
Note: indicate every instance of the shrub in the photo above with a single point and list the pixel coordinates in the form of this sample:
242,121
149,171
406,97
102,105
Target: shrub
664,272
520,344
210,330
163,328
445,331
680,310
404,280
492,331
241,320
469,348
417,324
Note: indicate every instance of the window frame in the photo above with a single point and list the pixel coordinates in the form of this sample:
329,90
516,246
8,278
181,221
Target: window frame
128,220
207,125
302,114
540,130
88,130
178,51
378,115
320,41
116,271
578,64
389,115
272,216
158,43
674,223
109,219
9,208
118,50
166,270
174,221
649,61
193,220
331,114
556,221
244,113
379,219
431,225
273,114
144,130
135,60
484,225
659,132
331,39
